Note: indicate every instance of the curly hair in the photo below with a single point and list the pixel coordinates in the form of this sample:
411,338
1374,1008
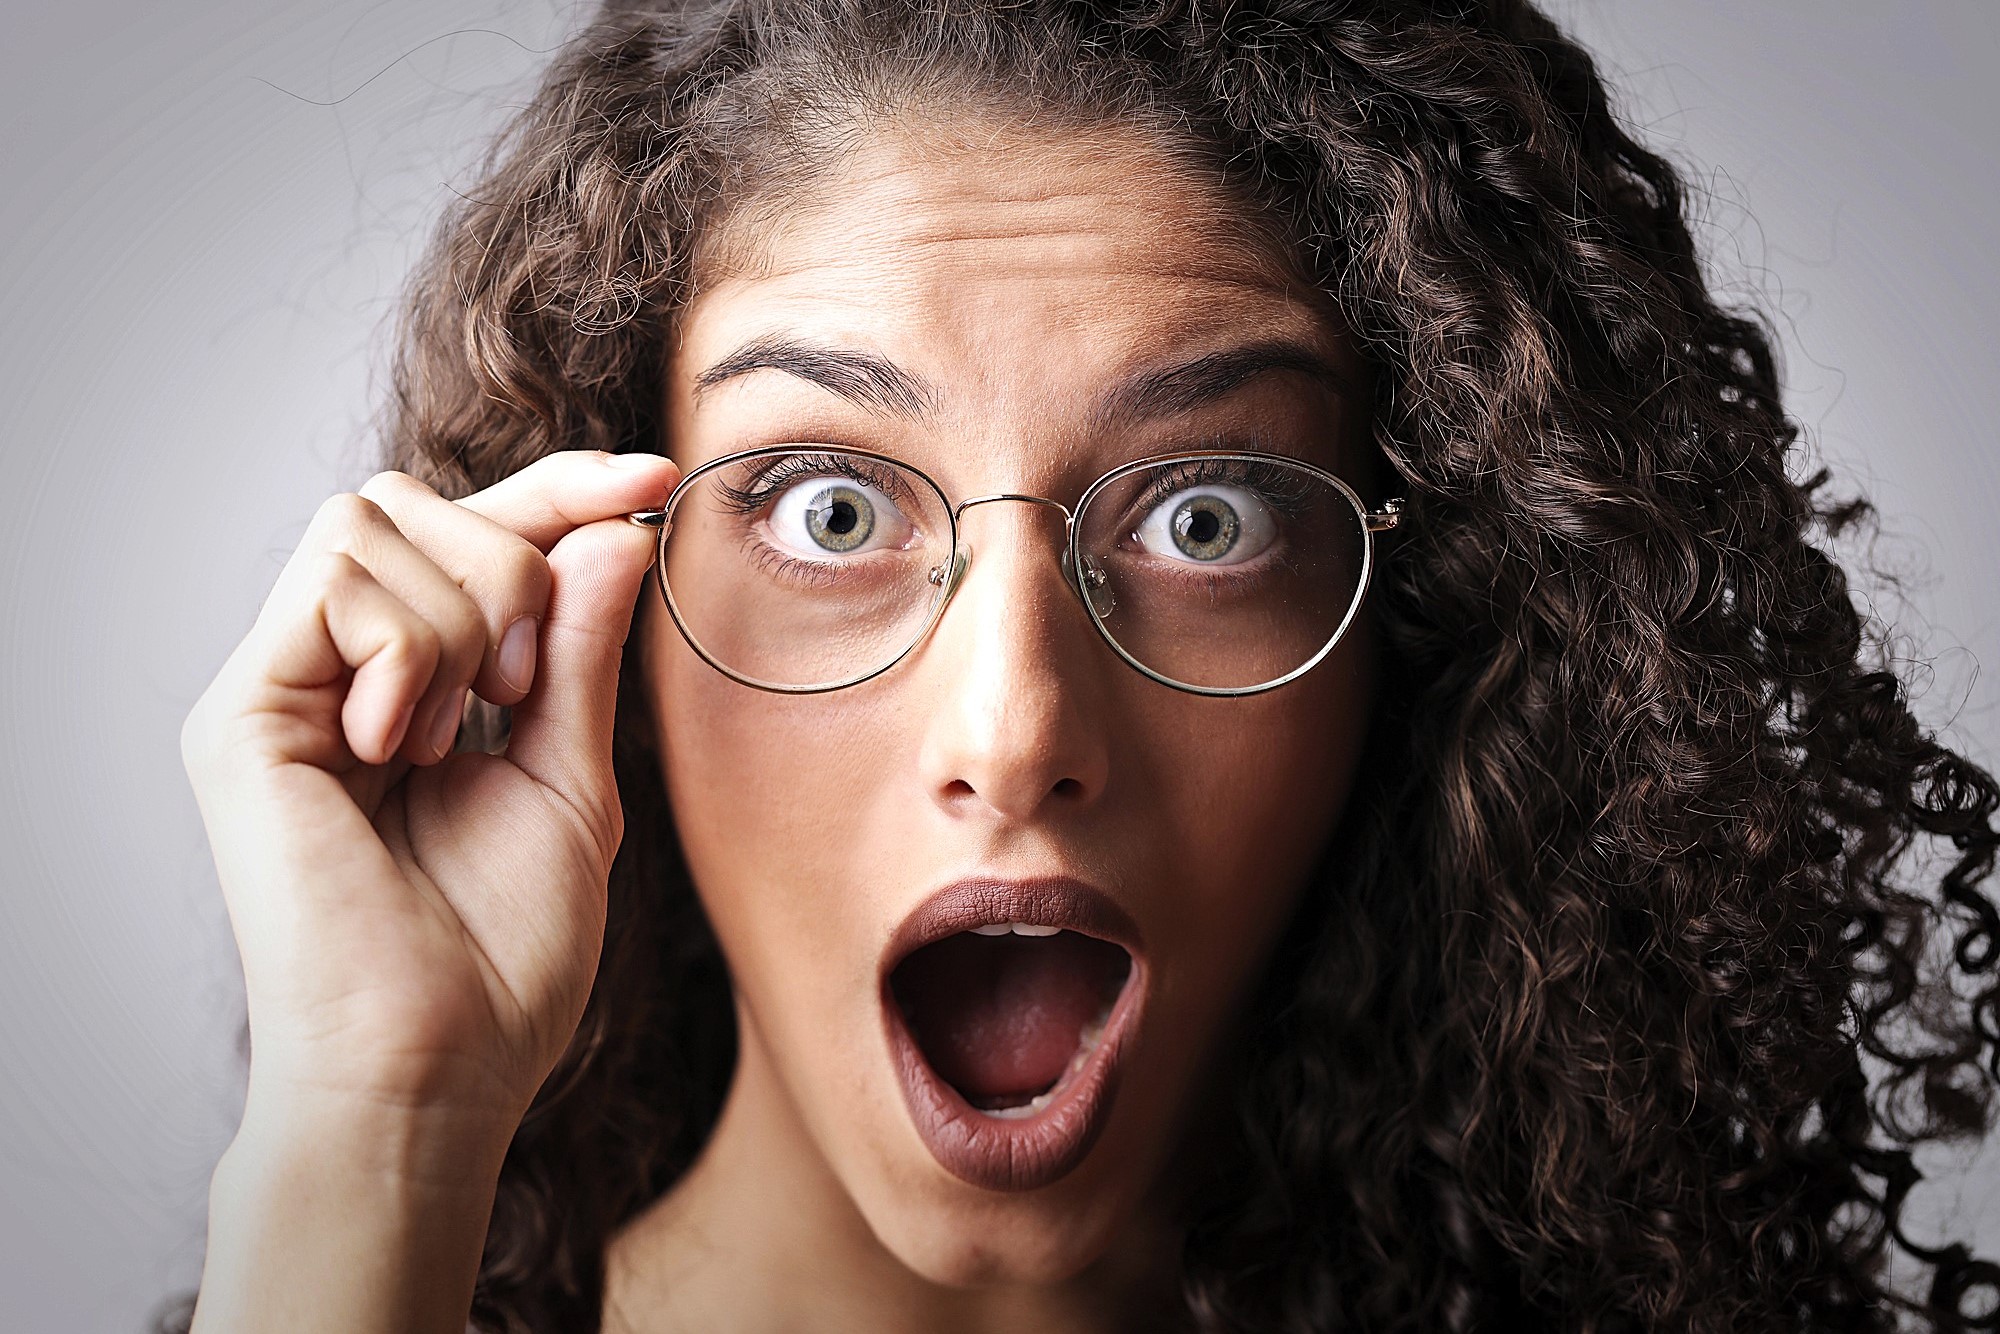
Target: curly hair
1632,983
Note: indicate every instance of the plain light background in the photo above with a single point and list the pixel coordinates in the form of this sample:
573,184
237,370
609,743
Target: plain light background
205,212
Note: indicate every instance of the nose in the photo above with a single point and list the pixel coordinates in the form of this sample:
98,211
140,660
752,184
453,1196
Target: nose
1018,727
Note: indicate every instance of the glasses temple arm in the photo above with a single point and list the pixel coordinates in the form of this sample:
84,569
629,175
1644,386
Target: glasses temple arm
1378,521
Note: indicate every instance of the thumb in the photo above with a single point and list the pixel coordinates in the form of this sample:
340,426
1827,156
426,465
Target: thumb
561,733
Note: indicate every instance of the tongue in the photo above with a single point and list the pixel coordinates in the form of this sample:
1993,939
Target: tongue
999,1017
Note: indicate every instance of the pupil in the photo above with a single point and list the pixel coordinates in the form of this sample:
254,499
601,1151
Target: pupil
842,517
1203,526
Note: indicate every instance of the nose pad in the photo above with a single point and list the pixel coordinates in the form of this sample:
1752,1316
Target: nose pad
1096,583
1097,587
949,577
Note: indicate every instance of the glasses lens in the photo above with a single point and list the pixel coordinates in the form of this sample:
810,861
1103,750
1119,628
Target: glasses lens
1222,572
802,570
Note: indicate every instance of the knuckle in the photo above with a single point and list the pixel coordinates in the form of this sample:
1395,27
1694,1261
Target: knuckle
510,579
414,646
347,511
344,521
391,483
463,629
517,579
521,567
424,645
334,569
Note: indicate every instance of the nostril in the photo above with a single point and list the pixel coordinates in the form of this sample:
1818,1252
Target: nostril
1067,787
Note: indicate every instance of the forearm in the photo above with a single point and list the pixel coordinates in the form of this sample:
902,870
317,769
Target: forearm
348,1219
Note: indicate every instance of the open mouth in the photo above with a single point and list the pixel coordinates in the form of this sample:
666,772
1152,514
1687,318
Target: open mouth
1004,1012
1007,1006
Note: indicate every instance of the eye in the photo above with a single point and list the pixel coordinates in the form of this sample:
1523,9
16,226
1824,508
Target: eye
830,515
1212,524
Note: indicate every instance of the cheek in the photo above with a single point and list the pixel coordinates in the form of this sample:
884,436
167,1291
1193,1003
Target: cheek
776,801
1253,787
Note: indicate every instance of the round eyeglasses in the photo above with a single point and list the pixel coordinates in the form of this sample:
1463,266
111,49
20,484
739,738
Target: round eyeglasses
802,569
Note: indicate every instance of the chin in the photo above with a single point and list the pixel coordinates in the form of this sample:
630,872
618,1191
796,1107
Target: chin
957,1239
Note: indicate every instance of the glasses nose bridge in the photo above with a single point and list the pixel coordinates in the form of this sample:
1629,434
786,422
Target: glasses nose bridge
950,577
958,511
1069,519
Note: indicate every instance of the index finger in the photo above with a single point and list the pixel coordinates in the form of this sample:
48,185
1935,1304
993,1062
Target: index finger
563,491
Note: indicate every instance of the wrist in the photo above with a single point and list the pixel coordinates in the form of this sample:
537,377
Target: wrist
435,1149
344,1215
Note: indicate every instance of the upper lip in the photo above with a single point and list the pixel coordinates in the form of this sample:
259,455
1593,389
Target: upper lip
1056,900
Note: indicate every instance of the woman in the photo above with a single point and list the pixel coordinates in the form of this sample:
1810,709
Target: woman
1242,729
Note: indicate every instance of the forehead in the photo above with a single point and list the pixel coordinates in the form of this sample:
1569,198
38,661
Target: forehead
996,259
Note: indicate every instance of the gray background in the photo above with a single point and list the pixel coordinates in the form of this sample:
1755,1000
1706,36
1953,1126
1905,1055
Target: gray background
195,260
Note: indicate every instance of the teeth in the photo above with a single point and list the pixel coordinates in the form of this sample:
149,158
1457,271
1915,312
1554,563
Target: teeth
1028,1108
1014,928
1087,1040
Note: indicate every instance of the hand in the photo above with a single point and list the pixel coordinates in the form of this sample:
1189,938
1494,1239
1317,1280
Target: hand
419,930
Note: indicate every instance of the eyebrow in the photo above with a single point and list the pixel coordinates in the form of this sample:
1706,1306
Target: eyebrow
873,381
1197,383
862,378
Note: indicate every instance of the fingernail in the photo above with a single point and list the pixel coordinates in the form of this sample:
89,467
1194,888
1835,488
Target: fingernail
635,460
444,727
516,660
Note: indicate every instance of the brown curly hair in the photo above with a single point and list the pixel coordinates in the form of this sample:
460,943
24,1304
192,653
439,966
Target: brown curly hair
1629,988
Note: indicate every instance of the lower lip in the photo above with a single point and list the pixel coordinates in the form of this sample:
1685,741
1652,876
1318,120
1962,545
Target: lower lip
1022,1152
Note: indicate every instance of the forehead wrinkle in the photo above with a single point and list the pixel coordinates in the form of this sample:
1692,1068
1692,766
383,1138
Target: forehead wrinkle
1138,256
1083,224
1154,359
903,193
1175,271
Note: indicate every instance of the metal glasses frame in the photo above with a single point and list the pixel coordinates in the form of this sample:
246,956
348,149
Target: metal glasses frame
1080,572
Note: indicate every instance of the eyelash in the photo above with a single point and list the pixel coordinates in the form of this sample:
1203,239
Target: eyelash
784,469
1280,486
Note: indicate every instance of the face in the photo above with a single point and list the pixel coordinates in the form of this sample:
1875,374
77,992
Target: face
849,846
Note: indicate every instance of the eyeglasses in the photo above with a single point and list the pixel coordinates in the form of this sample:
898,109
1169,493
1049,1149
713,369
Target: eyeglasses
802,569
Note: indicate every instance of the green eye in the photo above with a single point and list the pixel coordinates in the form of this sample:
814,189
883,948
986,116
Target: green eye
839,518
1205,526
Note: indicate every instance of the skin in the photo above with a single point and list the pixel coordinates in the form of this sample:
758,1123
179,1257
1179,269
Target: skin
419,930
1018,285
